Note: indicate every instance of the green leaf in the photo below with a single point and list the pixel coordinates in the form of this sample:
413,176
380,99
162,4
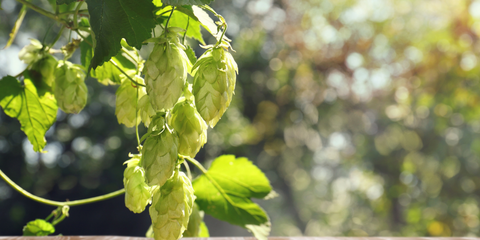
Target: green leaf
112,20
38,227
181,20
36,109
191,55
62,7
59,2
225,191
84,23
203,230
186,2
17,25
149,233
108,73
86,52
202,17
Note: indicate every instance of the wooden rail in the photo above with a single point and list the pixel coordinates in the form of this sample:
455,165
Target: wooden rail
235,238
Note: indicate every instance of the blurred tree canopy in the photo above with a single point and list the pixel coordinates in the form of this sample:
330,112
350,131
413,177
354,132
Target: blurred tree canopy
365,115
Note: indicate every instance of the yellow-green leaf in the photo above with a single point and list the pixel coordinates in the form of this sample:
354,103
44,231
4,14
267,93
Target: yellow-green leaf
225,191
38,227
34,107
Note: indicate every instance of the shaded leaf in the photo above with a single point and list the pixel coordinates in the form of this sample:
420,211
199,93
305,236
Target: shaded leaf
186,2
108,73
86,52
62,7
36,109
84,23
59,2
112,20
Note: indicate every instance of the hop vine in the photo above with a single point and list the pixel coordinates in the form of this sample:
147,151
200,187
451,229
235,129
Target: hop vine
176,96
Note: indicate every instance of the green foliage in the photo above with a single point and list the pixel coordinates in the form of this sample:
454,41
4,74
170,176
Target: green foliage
186,2
184,21
225,192
60,2
127,59
33,105
131,20
109,42
38,227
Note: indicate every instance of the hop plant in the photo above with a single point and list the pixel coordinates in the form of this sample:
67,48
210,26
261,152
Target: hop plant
46,67
172,205
137,192
146,110
70,89
32,52
166,72
190,127
128,97
214,84
159,157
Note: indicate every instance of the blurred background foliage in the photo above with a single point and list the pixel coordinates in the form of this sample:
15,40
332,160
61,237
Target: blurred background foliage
364,114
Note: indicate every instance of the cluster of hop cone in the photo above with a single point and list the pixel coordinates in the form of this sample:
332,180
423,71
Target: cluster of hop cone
176,113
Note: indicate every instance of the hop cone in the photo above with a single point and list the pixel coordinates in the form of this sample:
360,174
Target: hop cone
70,89
146,110
31,53
171,208
157,122
196,218
232,75
137,192
166,73
159,157
190,127
46,67
126,104
214,84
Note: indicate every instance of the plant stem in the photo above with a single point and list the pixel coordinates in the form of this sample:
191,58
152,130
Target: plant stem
124,73
189,173
168,20
56,203
84,38
211,179
130,55
136,117
186,29
82,11
196,163
58,36
39,10
75,20
219,41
